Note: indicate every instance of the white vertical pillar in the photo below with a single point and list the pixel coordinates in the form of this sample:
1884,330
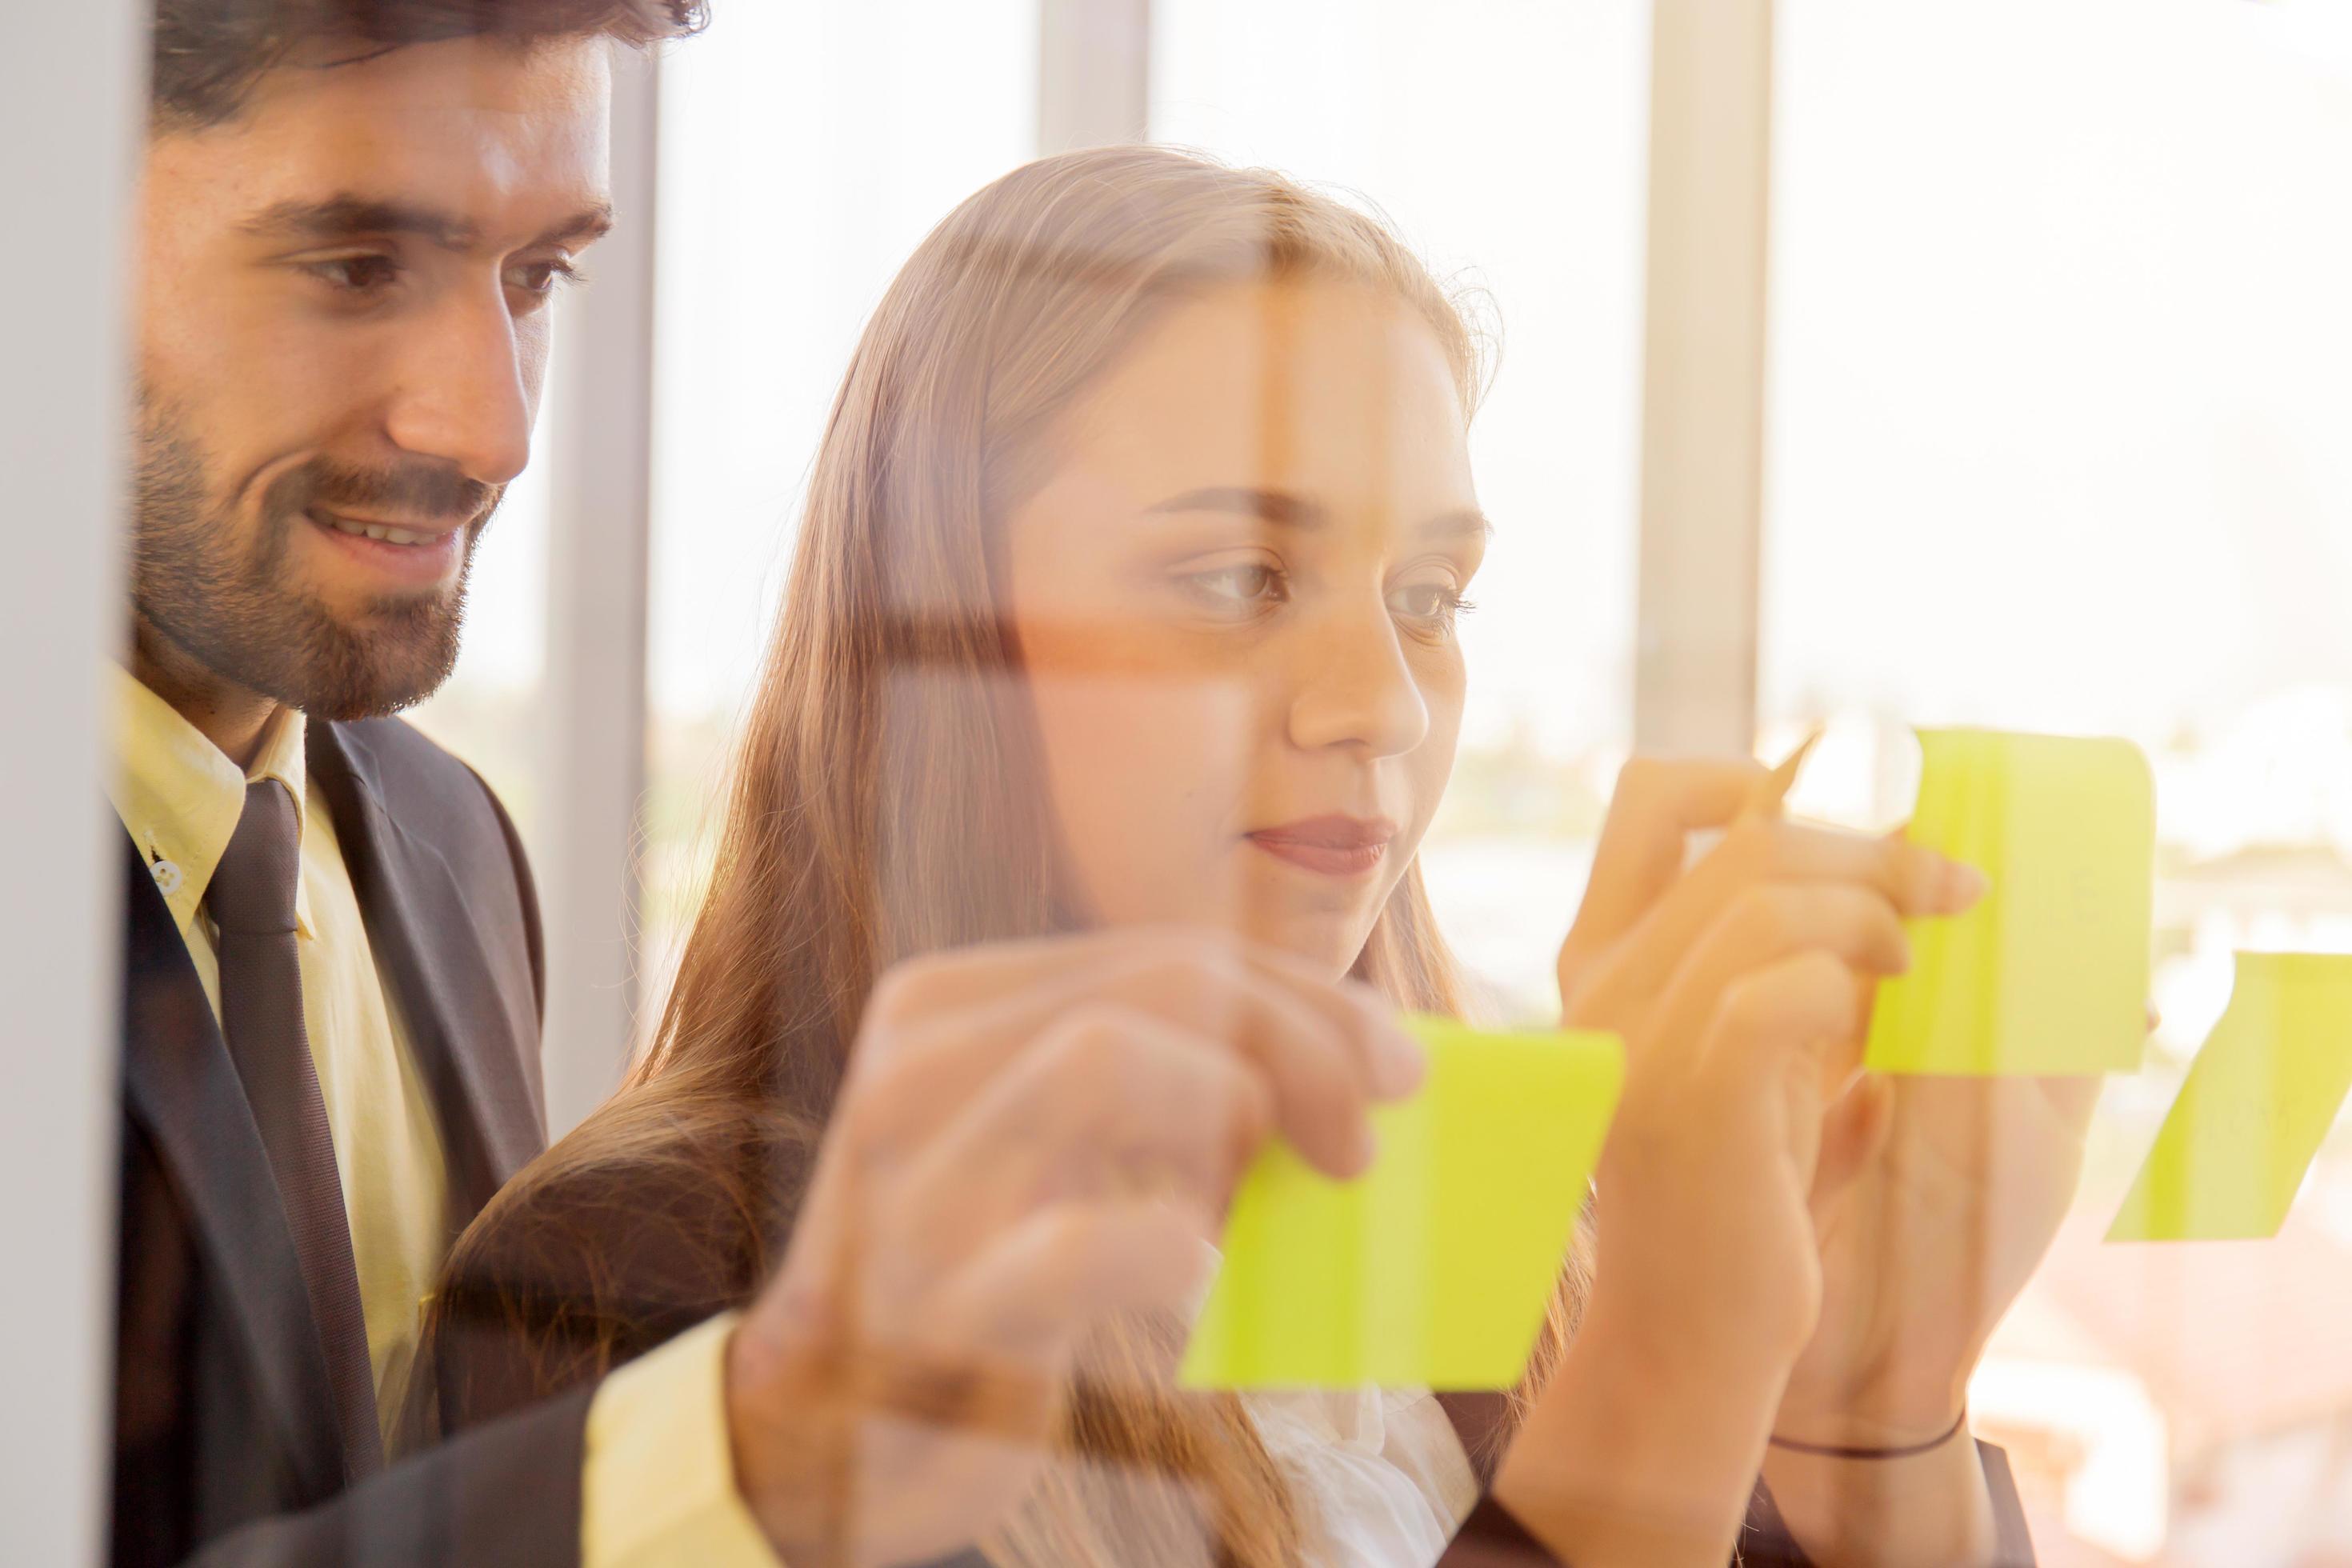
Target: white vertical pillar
71,92
1094,75
1703,396
593,766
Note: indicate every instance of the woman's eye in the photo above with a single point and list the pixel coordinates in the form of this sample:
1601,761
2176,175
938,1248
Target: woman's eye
1241,586
1436,604
356,274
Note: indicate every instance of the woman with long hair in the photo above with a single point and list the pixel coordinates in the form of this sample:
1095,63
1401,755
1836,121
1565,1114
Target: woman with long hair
1071,853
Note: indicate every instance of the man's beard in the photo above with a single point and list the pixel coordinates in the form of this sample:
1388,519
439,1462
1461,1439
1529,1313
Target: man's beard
225,600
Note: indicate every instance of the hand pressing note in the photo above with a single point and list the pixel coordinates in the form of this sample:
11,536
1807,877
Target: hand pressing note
1030,1137
1738,989
1779,920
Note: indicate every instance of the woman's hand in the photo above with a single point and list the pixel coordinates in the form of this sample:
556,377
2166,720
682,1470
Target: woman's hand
1735,987
1961,1183
1773,939
1029,1137
1958,1190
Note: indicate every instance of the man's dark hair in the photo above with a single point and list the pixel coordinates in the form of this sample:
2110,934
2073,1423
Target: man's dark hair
209,53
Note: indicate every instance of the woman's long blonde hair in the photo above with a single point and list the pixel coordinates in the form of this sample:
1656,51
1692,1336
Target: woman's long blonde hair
887,799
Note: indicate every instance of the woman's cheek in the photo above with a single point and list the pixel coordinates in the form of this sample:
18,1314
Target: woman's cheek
1146,770
1430,766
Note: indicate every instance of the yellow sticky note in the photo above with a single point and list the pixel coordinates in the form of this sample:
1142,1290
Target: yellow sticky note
1436,1266
2258,1101
2048,974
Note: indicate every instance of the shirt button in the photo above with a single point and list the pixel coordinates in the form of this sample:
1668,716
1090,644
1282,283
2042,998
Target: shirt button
167,877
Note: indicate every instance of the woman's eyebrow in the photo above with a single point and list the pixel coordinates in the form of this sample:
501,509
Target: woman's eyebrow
1462,523
1280,506
1289,509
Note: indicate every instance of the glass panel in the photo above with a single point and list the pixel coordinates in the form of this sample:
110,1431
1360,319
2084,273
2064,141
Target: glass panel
800,162
488,711
1507,140
2061,369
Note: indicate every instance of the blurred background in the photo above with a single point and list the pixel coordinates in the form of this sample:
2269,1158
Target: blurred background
2055,434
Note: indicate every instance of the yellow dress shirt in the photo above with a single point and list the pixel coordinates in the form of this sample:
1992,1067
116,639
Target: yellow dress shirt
660,1484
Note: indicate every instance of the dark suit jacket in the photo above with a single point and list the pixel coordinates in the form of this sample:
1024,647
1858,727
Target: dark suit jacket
226,1450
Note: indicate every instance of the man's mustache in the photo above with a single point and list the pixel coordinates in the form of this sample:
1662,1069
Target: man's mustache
417,492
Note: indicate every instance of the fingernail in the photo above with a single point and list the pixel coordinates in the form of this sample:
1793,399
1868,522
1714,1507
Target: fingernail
1400,1066
1963,885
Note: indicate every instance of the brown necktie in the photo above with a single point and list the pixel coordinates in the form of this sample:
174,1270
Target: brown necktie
252,902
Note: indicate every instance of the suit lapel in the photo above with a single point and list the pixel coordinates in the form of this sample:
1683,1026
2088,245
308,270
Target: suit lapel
428,946
181,1085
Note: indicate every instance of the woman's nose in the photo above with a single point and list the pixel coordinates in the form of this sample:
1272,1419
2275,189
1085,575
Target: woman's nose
1352,686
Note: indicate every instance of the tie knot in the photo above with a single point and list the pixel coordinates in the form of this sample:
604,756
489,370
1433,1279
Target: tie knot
252,890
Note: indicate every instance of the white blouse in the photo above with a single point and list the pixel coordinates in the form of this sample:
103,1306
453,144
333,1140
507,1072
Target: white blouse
1382,1474
1384,1479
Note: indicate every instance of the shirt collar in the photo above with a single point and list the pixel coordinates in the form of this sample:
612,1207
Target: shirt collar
180,796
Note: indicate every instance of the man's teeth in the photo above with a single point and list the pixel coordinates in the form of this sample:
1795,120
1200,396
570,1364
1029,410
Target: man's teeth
375,531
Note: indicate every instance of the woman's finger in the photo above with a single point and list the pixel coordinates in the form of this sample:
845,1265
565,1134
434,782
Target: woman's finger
1854,1134
1797,1006
2073,1099
1107,1103
1391,1061
1657,804
1759,1047
1036,1289
988,1350
1856,931
1325,1054
1317,1059
1103,1108
1914,879
1910,879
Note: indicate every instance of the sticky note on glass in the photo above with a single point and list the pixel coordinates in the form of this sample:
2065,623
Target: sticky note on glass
2048,973
2257,1103
1437,1266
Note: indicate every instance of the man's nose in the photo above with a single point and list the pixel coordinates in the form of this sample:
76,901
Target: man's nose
467,391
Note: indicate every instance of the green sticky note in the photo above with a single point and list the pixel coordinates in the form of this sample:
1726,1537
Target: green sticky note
2258,1101
1435,1266
2048,973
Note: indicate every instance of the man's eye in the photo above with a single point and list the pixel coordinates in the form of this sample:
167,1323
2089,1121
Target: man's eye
356,274
541,278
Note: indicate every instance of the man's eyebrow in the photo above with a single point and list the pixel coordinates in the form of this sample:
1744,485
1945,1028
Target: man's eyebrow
351,218
348,217
583,228
1284,508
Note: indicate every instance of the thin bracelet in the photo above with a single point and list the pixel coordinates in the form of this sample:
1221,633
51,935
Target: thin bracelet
1840,1451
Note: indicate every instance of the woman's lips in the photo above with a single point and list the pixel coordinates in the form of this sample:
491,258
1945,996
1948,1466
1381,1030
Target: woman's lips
1329,845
